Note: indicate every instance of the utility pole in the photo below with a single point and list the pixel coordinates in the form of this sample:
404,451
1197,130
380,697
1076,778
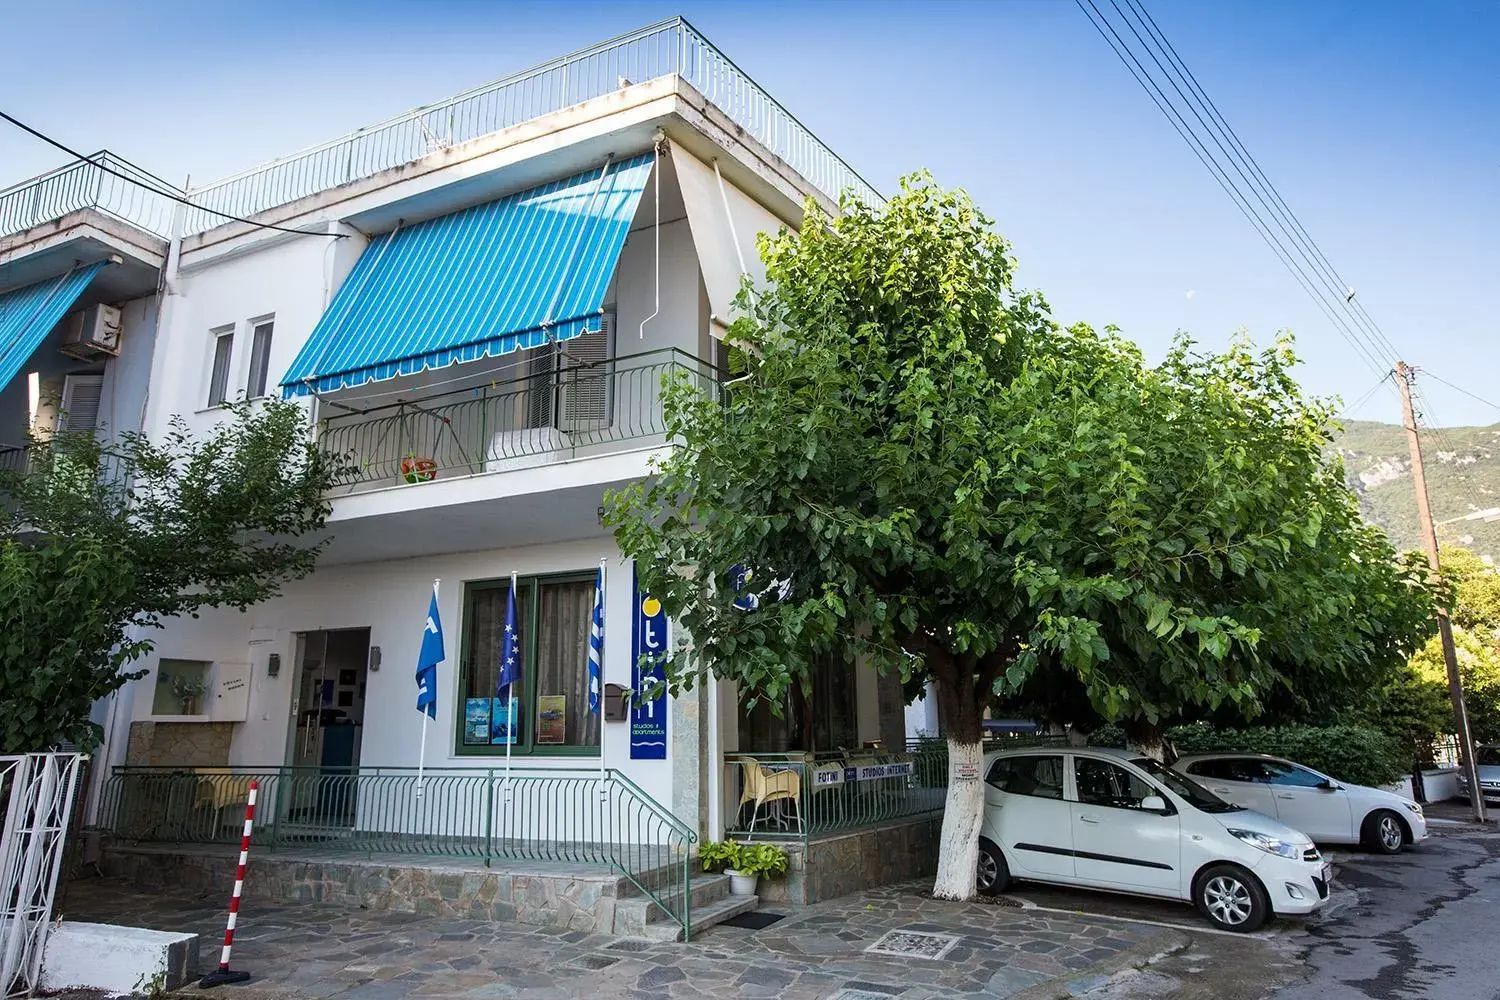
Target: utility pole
1404,376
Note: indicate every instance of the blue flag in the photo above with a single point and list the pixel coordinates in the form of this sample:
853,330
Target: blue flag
510,648
428,658
596,646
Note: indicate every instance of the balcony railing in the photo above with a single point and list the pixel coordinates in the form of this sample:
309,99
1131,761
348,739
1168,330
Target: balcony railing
806,796
528,814
671,47
578,410
88,184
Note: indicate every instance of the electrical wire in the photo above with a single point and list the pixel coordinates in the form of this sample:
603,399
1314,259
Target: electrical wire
165,192
1365,398
1366,345
1277,204
1460,389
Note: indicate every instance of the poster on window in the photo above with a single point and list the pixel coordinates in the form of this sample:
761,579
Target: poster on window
503,722
648,653
552,718
476,721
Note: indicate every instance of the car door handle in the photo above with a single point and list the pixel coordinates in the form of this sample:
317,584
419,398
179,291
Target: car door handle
1285,795
1219,791
1089,819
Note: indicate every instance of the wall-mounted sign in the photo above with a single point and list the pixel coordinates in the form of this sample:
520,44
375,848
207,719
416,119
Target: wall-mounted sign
835,774
648,654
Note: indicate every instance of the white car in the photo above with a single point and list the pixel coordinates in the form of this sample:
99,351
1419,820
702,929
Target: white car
1328,811
1112,819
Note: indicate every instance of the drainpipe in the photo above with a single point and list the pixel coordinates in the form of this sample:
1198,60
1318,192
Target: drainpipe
659,140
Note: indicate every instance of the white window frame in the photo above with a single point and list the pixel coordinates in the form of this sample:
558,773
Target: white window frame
267,323
216,336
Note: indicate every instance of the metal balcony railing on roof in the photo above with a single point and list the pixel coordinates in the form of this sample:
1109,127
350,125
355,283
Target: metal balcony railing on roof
85,184
670,47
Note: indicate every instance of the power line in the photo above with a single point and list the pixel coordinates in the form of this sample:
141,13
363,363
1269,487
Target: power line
1460,389
1367,345
165,192
1365,398
1334,281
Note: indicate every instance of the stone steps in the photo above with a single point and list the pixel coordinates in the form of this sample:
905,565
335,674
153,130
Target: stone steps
710,903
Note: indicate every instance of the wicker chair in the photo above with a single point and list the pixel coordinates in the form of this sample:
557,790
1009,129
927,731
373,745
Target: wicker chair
763,786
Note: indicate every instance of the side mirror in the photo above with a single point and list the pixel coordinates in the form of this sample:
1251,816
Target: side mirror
1329,785
1154,804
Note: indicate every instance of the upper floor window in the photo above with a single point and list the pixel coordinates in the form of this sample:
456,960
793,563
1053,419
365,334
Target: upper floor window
218,377
260,358
80,402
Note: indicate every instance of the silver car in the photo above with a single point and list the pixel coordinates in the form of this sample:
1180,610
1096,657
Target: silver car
1487,759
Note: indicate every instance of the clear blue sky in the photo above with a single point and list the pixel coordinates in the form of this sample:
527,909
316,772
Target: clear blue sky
1378,121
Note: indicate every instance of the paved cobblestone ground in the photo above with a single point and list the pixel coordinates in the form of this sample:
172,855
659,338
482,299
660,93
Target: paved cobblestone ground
318,951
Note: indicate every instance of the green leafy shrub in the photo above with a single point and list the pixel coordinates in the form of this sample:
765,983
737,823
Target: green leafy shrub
1351,754
716,855
760,859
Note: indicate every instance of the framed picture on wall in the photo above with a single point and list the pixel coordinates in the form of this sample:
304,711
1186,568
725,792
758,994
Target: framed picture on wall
348,678
346,699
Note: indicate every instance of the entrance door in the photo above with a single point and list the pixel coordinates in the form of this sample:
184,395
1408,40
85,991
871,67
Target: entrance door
327,725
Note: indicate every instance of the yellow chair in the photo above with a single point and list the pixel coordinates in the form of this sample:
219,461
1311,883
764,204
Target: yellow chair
763,786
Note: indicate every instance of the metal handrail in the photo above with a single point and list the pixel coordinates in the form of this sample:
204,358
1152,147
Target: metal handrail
499,425
671,47
529,813
104,182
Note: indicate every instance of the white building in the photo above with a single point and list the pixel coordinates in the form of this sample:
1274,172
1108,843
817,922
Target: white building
479,301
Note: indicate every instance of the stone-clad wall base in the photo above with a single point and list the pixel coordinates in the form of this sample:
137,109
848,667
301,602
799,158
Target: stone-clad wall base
837,866
575,901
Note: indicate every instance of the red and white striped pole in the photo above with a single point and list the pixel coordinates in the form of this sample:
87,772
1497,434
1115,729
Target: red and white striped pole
223,975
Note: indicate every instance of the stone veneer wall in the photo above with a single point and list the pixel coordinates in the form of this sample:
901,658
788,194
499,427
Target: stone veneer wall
837,866
574,903
184,744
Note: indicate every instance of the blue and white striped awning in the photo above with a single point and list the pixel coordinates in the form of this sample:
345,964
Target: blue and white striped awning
483,282
29,313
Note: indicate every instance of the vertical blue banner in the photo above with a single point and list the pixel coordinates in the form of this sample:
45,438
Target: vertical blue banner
648,651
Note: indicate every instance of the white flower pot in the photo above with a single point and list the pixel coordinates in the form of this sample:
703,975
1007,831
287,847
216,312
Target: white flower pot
741,884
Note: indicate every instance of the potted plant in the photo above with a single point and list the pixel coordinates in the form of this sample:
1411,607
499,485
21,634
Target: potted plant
750,863
718,855
187,691
417,469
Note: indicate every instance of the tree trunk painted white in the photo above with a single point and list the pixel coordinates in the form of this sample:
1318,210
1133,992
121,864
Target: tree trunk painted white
1077,738
1156,751
963,811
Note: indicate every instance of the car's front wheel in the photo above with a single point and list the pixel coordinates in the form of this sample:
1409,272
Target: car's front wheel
992,874
1383,831
1231,898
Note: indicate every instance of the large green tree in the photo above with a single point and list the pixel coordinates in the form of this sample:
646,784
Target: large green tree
941,480
103,540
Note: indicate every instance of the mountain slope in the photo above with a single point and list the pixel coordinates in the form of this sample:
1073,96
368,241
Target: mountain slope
1463,477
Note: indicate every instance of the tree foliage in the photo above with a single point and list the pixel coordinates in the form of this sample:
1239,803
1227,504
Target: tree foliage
104,540
941,480
934,467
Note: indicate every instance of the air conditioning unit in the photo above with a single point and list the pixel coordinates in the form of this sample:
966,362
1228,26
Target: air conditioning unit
92,332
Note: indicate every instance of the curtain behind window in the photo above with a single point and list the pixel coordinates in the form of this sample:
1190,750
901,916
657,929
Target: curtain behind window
562,651
487,632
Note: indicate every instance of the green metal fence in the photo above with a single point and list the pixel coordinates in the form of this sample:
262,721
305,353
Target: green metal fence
529,814
805,796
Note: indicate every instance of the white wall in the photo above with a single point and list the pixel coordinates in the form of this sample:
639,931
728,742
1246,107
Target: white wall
390,599
288,279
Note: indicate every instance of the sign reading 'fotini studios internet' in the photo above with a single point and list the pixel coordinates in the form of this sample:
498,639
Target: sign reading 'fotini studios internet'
648,654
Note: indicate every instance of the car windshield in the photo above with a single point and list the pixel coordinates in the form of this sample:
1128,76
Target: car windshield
1197,796
1487,756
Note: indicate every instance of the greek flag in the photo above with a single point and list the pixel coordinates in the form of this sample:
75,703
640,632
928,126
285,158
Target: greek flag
510,647
596,646
428,658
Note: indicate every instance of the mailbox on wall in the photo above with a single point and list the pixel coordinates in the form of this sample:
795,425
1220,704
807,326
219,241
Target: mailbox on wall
615,709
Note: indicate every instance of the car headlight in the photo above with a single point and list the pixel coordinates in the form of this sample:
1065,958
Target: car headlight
1412,807
1271,845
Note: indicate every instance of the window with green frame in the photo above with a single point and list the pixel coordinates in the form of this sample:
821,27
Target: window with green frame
551,713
